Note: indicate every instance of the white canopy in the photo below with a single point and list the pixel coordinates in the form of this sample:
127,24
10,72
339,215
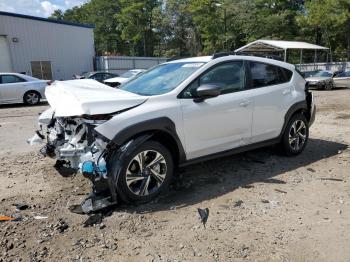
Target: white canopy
275,45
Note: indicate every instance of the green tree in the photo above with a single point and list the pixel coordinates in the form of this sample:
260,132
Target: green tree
136,24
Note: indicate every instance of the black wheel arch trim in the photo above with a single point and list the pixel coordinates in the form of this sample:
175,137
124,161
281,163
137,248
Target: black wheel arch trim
302,105
160,124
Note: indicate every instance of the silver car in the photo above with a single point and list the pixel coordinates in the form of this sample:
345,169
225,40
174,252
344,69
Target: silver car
19,88
321,80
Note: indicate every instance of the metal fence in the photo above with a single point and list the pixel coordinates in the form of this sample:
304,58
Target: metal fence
334,66
121,64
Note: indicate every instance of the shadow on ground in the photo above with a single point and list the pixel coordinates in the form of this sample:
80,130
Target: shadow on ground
214,178
21,105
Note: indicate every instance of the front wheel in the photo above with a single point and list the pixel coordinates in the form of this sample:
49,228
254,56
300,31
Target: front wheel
295,136
328,86
145,173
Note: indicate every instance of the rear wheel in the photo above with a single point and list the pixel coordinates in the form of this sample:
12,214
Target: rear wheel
31,98
295,136
145,173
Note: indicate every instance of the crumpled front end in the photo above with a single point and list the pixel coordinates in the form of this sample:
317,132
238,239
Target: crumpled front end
70,140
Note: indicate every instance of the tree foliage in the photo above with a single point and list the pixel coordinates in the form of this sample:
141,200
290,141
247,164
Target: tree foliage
194,27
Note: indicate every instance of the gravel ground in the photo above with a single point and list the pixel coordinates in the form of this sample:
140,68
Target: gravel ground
263,207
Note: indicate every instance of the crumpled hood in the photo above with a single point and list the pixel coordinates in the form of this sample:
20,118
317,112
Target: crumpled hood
317,78
88,97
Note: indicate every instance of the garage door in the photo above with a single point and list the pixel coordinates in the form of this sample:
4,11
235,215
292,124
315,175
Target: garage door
5,61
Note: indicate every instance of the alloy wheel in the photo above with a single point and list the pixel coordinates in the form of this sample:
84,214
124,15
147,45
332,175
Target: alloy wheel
146,172
297,135
32,98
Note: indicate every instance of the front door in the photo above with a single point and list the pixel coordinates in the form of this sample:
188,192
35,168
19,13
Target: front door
220,123
11,87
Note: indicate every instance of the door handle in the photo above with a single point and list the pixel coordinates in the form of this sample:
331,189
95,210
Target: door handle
286,92
244,103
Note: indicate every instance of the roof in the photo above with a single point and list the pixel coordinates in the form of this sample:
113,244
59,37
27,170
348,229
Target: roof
198,59
46,19
272,45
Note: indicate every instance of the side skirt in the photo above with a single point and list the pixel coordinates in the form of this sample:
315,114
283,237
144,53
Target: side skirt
231,152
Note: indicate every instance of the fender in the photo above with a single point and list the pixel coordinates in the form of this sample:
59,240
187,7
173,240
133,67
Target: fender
161,124
302,105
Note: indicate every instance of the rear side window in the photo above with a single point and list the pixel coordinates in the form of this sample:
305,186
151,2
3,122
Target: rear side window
266,75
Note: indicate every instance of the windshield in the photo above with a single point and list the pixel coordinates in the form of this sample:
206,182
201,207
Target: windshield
323,74
128,74
161,79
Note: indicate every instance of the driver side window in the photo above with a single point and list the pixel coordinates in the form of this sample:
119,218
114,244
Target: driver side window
228,76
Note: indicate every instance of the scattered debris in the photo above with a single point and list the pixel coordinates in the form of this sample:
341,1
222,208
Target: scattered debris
311,170
6,218
61,226
332,179
21,206
248,186
238,203
280,191
93,219
40,217
273,181
339,211
265,201
204,214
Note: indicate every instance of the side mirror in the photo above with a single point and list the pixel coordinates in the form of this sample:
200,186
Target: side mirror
205,91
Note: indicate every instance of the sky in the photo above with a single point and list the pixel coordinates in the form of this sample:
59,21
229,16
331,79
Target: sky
42,8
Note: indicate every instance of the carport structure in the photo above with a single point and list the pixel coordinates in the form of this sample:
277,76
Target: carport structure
278,49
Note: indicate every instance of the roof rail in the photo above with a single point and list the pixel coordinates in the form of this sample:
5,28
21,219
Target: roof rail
221,54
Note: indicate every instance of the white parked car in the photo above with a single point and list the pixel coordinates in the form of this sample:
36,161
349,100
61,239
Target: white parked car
117,81
128,141
19,88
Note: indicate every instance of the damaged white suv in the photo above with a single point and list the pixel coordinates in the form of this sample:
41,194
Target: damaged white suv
128,141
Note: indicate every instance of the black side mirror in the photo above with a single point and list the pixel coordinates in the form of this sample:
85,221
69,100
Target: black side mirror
205,91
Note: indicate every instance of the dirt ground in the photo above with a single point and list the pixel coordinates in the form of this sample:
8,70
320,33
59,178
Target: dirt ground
263,207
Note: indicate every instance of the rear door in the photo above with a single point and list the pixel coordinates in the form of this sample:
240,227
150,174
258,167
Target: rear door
220,123
272,98
11,88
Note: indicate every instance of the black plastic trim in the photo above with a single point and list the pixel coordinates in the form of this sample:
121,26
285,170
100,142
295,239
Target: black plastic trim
231,152
161,124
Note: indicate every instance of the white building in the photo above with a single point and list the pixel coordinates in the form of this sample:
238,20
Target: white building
45,48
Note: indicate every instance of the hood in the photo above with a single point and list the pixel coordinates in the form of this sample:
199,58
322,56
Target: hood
88,97
116,80
317,78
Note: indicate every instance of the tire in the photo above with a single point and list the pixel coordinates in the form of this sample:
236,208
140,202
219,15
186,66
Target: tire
134,187
31,98
294,141
328,86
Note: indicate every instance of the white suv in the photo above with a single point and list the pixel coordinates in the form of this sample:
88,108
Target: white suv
128,141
